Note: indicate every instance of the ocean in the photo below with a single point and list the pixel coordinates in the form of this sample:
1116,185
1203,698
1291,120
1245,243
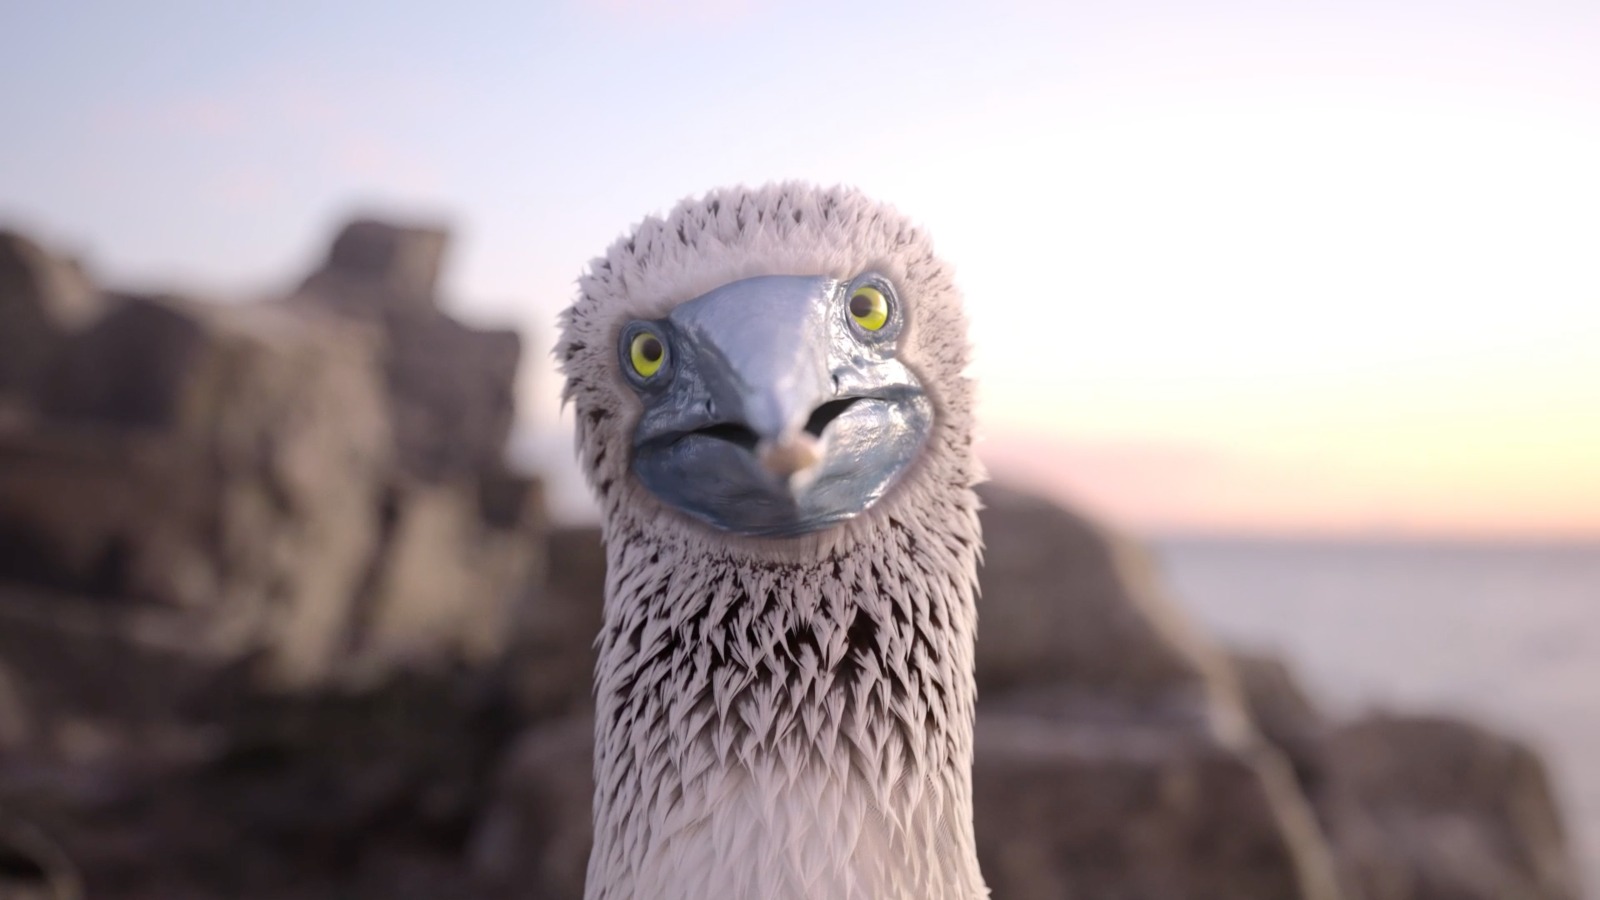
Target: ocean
1505,633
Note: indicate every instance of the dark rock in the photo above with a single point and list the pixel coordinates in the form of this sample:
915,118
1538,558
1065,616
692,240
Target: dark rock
1283,713
534,839
1088,810
17,724
32,866
245,650
375,267
139,367
103,513
453,391
238,461
448,576
324,794
1115,753
452,388
96,679
43,298
553,670
1429,808
1416,808
1066,602
222,459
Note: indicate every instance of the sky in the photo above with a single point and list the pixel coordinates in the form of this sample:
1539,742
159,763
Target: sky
1316,267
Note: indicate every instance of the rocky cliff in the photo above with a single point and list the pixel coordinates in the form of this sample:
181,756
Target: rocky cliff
277,621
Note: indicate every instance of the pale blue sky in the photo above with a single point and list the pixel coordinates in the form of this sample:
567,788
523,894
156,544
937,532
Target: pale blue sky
1303,264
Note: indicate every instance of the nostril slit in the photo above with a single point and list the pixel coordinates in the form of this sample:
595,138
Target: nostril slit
826,413
735,434
742,436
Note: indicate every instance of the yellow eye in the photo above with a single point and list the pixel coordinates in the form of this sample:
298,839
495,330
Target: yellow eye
868,307
647,353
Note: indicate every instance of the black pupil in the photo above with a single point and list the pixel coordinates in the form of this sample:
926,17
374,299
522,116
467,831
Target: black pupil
650,349
861,306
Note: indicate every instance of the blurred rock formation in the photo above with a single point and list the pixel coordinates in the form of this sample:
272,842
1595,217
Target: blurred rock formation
276,620
451,388
43,297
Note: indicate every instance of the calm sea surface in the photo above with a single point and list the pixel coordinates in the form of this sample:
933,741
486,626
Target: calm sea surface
1506,633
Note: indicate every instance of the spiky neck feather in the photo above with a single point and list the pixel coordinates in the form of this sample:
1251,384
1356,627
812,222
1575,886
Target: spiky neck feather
794,729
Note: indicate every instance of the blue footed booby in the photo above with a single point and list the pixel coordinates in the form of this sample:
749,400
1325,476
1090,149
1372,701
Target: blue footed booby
772,411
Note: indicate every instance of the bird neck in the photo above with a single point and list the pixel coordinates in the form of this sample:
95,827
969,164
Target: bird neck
788,729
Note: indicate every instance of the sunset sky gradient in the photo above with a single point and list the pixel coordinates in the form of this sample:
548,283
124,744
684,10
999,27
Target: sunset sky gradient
1312,267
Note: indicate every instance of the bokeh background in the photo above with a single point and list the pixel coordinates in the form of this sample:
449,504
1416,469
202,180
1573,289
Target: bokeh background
1305,295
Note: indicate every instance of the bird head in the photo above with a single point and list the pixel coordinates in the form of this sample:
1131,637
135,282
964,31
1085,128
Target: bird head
769,363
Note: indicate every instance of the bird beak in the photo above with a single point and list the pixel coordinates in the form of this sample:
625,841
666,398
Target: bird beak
760,360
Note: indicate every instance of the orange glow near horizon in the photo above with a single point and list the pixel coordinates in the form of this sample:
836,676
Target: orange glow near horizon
1485,451
1153,489
1326,318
